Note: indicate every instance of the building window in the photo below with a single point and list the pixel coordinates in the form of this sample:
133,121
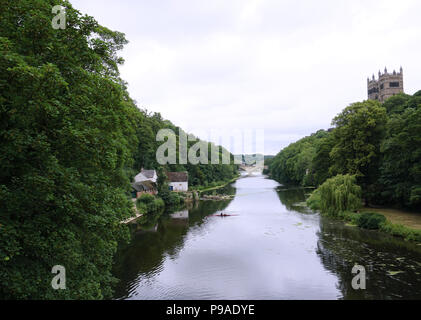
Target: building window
394,84
373,90
382,86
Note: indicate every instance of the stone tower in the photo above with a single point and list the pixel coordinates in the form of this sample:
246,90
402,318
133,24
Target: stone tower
386,86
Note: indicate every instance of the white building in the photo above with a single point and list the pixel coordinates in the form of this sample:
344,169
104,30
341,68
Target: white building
145,182
178,181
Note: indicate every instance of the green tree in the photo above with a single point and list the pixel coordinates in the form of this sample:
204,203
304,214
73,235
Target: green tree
338,194
66,147
358,132
322,160
401,164
294,164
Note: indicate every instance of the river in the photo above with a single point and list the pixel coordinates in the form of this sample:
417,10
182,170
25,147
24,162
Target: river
273,247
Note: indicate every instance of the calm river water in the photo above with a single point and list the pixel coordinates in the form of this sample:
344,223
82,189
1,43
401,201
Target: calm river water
273,248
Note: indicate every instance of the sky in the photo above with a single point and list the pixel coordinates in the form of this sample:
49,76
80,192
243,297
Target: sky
283,66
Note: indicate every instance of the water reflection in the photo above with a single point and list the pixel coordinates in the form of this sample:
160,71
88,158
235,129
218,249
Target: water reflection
393,266
273,248
144,256
293,198
184,215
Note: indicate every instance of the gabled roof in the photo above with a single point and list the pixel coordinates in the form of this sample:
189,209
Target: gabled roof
178,176
143,186
137,186
146,175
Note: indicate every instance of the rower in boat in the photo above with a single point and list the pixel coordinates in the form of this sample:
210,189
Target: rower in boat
224,215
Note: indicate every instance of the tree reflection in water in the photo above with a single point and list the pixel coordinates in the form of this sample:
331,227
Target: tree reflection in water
393,268
154,239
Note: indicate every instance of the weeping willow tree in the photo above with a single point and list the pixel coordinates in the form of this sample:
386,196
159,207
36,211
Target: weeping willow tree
337,194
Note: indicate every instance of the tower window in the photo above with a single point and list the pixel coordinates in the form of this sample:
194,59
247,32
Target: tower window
394,84
373,90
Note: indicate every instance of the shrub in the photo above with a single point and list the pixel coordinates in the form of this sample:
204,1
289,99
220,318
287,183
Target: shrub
371,220
147,203
155,205
174,199
340,193
165,195
314,200
141,207
349,216
146,198
170,198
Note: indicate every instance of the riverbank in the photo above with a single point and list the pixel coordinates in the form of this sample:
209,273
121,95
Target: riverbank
197,255
394,229
411,220
340,197
219,186
137,214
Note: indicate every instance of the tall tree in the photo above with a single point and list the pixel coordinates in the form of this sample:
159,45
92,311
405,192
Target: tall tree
401,165
358,132
66,142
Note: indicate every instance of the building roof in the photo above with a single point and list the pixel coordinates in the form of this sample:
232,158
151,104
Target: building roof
178,176
148,173
137,186
143,186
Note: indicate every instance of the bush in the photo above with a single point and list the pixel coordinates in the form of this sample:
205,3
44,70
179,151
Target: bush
314,200
165,195
146,198
174,199
349,216
170,198
141,207
155,205
340,193
371,220
147,203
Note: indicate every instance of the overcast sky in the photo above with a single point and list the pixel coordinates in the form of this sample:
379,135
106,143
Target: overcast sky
287,67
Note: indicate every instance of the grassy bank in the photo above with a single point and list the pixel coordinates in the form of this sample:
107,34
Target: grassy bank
340,197
411,220
376,221
215,185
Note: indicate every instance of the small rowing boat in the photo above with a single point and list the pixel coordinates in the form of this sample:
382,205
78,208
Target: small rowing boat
225,215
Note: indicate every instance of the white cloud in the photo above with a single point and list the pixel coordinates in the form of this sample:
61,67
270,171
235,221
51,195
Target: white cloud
285,66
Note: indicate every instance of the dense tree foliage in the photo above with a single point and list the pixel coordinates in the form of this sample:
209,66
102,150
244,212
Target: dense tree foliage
358,131
65,146
71,141
322,161
400,178
294,164
337,194
378,143
148,125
